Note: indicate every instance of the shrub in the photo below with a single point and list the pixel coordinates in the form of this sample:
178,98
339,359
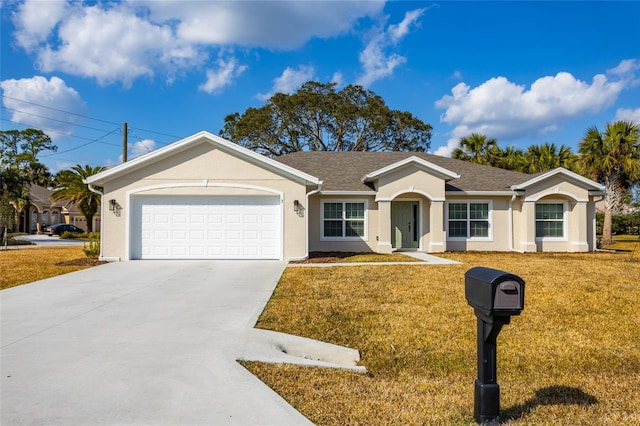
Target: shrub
74,235
92,249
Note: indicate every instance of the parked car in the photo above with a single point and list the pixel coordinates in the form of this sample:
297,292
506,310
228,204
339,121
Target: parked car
61,228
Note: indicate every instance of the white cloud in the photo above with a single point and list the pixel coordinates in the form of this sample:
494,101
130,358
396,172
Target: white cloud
139,148
628,114
270,24
227,71
626,67
114,45
35,20
377,62
290,80
500,108
23,98
123,41
399,31
337,78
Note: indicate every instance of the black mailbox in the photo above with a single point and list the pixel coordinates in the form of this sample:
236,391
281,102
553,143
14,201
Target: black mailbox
495,296
494,292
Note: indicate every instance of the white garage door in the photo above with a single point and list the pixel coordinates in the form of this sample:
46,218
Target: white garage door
180,227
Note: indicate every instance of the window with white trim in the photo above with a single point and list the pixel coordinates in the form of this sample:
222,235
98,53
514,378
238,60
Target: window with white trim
469,220
344,219
551,220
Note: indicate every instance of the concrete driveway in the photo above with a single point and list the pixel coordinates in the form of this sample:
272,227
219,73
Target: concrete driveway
148,343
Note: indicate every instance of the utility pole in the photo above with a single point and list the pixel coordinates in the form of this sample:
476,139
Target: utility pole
124,142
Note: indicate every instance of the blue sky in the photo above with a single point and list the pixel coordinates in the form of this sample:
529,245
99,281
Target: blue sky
522,72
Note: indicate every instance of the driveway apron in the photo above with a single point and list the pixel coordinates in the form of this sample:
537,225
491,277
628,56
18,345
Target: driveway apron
138,343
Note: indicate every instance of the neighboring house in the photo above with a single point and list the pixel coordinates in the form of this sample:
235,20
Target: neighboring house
42,211
206,197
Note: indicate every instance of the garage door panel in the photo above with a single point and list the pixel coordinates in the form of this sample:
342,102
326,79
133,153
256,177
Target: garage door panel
207,227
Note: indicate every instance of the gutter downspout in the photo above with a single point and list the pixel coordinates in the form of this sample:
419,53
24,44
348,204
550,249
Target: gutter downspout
306,218
511,244
95,191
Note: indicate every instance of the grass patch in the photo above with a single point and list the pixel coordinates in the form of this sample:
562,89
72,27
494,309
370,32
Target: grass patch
572,357
22,266
625,243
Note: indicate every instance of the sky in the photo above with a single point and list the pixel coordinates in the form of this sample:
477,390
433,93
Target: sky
521,72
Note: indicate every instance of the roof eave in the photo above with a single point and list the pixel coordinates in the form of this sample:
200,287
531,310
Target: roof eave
590,184
136,163
436,170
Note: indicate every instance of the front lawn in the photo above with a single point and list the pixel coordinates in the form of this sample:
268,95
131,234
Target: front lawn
572,357
25,265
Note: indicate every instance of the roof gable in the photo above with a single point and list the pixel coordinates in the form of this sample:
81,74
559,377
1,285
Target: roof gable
190,141
564,173
420,163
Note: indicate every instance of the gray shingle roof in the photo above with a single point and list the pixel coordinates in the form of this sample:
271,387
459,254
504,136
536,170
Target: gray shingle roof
343,171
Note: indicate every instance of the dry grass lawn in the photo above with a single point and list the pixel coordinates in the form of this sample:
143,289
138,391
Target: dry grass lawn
572,357
28,264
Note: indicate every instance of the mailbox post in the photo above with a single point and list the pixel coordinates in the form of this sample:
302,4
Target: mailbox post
495,296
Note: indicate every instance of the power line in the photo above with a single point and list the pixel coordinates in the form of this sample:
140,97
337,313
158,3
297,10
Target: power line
52,119
82,116
83,145
157,133
59,110
59,132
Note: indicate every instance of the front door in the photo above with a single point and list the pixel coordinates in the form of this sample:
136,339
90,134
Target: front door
404,224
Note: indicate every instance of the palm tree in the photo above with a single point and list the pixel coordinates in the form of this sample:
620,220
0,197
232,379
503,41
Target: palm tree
612,158
476,148
511,158
70,187
540,158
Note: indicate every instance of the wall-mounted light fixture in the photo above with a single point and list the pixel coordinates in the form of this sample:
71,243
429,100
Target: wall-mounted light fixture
296,206
112,205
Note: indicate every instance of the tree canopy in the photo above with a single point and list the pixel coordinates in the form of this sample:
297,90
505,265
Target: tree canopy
320,118
480,149
69,186
19,167
612,157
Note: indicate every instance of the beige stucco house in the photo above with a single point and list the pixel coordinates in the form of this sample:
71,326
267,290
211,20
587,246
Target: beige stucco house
206,197
42,211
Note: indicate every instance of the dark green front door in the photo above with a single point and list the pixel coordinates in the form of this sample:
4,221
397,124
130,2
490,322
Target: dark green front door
404,224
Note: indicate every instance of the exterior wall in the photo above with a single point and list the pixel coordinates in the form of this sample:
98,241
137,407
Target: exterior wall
580,215
409,179
499,232
413,183
316,243
201,170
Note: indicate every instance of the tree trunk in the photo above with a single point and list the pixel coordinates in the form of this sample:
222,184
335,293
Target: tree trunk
612,201
607,237
89,223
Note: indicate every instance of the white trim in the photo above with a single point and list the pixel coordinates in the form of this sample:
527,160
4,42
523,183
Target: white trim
489,237
410,190
482,193
440,172
196,184
187,142
306,219
203,184
555,191
370,193
565,221
365,237
567,173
